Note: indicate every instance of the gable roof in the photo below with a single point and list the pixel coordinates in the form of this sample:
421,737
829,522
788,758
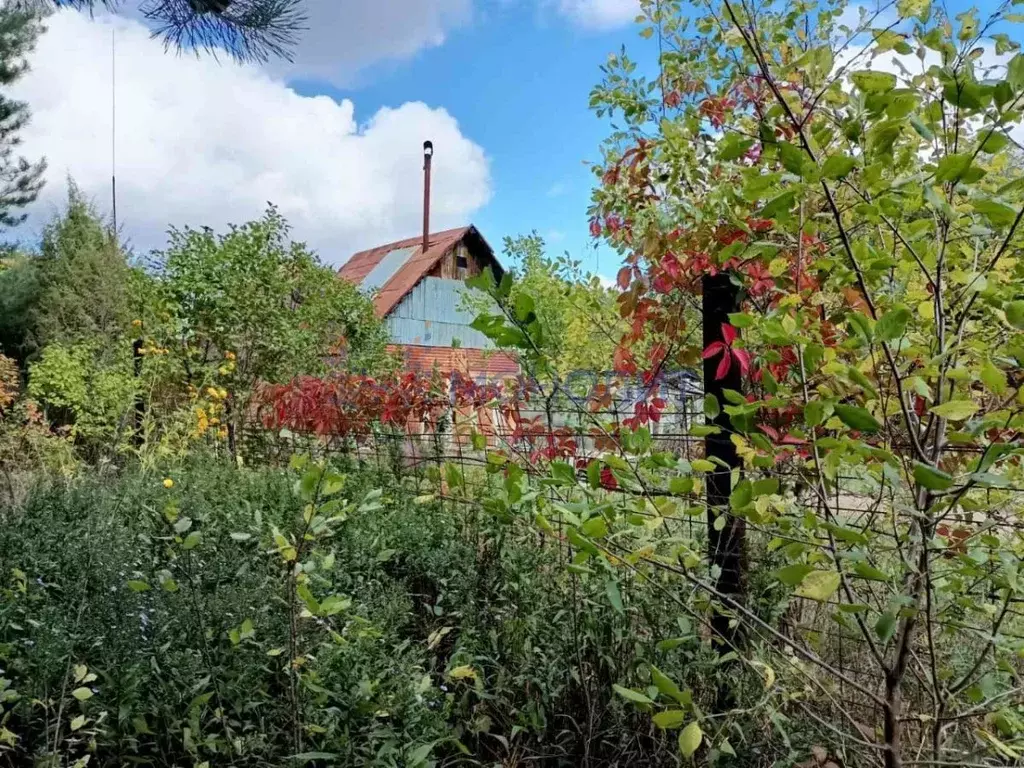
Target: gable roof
405,263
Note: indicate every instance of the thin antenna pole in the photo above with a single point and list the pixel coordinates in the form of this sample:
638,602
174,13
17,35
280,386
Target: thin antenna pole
113,127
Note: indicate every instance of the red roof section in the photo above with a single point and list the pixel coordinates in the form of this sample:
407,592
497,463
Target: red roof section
414,270
489,363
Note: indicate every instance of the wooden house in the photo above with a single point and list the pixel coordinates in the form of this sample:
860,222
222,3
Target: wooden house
418,291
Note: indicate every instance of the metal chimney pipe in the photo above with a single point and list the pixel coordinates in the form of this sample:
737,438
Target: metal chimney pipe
428,153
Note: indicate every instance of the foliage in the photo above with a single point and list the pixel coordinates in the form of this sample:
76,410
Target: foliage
248,616
83,280
868,215
26,444
229,314
20,179
249,30
92,399
579,315
846,186
19,292
351,407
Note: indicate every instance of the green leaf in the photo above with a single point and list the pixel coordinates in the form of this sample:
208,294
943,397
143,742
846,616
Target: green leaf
919,8
885,627
778,206
333,482
680,486
667,686
733,147
524,307
857,418
192,540
922,130
308,757
867,571
741,495
994,142
952,168
670,719
563,473
819,585
690,739
873,82
630,695
611,588
77,722
793,158
838,166
1014,311
137,586
793,574
892,324
596,527
956,410
932,478
999,214
993,378
82,693
1015,72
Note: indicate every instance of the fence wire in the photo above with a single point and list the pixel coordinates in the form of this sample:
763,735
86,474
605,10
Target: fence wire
453,455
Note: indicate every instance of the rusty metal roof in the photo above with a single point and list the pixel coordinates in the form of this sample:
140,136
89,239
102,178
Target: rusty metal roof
397,267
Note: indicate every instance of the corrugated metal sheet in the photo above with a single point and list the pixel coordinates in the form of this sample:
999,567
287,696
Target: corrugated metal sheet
386,268
430,315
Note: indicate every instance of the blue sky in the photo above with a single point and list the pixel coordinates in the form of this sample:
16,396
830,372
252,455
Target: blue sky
518,81
334,138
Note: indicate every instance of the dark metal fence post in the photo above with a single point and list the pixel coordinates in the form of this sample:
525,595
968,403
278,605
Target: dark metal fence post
726,547
140,405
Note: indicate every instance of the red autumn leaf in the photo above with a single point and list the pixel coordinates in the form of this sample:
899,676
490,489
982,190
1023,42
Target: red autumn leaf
743,358
624,277
724,366
714,348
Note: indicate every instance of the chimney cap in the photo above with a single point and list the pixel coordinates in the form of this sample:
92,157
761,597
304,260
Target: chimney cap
428,147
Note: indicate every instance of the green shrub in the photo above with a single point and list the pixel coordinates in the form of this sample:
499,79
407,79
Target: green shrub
419,629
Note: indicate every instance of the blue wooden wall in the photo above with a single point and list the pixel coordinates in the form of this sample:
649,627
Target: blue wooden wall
430,316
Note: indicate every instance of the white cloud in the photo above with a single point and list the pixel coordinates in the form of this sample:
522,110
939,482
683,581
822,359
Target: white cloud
207,143
343,37
600,14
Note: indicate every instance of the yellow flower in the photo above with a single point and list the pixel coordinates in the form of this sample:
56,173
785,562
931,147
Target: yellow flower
212,392
136,323
203,422
168,483
229,355
222,393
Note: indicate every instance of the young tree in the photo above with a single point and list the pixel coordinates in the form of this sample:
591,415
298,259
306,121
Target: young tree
845,176
248,308
247,29
847,190
19,293
580,316
83,280
20,179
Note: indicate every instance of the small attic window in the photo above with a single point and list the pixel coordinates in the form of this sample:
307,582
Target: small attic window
461,261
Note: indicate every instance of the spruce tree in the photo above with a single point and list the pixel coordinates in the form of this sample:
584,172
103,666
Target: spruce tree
20,178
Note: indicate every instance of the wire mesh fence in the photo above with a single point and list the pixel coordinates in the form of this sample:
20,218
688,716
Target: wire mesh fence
635,453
